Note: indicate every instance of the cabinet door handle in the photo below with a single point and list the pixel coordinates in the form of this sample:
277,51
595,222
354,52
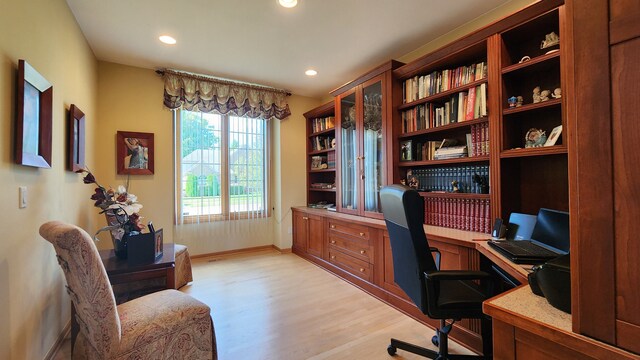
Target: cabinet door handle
333,257
305,218
361,234
333,226
333,241
362,252
361,269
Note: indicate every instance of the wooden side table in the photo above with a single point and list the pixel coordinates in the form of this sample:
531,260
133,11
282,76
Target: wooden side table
119,272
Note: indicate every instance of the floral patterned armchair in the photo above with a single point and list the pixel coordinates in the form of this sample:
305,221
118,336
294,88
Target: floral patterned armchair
163,325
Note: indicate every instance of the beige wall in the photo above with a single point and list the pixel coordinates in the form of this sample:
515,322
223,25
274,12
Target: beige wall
131,100
34,307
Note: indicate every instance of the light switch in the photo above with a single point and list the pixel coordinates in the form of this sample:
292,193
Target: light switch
22,190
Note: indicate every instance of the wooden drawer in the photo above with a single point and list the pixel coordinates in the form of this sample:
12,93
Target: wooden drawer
355,247
352,265
349,230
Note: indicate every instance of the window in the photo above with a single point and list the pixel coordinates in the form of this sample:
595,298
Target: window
221,167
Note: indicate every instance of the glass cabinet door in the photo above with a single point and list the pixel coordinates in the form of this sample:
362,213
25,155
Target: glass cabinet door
349,153
373,158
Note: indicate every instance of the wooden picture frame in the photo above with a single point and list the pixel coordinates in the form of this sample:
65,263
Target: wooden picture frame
34,117
75,139
554,136
134,151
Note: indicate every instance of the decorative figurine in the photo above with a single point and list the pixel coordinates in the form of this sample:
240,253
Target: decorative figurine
544,95
557,93
535,138
512,101
536,94
551,39
454,185
519,101
413,182
524,59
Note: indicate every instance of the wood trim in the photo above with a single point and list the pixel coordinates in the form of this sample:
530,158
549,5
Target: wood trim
283,250
589,135
57,345
389,65
323,110
624,28
506,23
235,251
494,94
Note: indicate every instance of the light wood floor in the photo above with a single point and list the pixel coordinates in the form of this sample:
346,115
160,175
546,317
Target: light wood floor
267,305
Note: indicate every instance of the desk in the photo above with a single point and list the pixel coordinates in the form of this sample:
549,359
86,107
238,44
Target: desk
526,326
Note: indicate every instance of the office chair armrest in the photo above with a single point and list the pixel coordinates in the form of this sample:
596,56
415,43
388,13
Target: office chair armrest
435,250
450,275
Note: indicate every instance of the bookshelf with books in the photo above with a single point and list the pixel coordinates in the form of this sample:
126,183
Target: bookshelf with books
443,135
531,159
321,156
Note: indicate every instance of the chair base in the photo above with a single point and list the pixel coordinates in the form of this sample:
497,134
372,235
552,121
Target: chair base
428,353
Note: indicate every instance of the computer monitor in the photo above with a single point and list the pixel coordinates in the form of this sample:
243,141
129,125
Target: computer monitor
520,226
552,230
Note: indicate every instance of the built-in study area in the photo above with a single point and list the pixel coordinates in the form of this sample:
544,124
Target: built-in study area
527,120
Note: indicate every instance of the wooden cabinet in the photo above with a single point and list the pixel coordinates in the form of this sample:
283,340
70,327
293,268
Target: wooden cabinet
604,249
351,248
308,233
531,175
364,119
321,155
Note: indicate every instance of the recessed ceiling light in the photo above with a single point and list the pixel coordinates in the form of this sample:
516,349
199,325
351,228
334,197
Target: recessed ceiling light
167,39
311,72
288,3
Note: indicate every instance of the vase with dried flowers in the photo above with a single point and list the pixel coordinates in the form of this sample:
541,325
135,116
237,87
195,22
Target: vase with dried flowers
121,210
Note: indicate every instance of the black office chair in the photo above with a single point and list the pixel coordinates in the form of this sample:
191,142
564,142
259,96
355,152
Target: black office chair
444,295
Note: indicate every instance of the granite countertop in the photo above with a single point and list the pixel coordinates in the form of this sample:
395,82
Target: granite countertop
526,304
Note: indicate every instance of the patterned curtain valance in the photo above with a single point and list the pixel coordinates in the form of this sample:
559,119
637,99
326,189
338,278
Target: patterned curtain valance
205,94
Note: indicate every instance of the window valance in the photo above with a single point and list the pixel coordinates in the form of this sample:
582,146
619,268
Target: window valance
210,95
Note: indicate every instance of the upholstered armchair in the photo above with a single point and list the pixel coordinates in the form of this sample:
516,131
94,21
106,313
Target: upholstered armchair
163,325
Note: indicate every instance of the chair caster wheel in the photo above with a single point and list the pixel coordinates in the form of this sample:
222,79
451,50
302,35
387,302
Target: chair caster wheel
434,340
391,350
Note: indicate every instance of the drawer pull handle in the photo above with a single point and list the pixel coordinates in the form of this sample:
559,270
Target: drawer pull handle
333,226
305,218
361,234
333,257
361,269
362,252
333,241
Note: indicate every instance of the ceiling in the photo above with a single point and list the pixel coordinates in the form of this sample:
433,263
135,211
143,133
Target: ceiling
259,41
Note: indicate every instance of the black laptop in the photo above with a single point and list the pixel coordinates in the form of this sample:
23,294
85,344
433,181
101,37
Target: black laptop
549,239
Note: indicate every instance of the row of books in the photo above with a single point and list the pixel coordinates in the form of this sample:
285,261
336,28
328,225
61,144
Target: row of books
322,142
463,106
470,178
321,124
321,185
461,214
479,139
423,86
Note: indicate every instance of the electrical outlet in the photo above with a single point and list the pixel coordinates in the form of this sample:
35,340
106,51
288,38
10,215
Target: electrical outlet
22,197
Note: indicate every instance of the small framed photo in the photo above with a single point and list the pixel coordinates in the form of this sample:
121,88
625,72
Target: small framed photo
158,243
406,151
553,137
34,117
134,153
75,140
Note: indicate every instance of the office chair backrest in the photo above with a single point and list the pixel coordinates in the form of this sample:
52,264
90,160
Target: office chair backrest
403,210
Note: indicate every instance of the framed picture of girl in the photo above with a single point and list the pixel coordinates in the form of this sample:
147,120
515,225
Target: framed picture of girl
134,153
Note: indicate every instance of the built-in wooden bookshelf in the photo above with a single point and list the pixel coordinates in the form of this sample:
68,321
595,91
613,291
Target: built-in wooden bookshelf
321,150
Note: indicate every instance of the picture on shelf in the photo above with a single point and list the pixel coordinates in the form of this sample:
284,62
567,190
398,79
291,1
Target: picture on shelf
406,151
553,137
